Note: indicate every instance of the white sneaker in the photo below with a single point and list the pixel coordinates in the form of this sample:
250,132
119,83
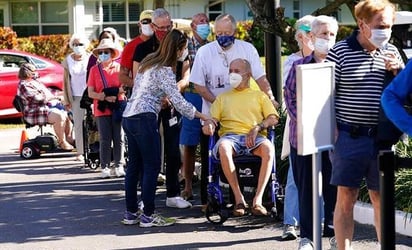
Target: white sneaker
119,171
177,202
105,173
305,244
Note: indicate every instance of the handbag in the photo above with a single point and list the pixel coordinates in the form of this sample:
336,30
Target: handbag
18,103
117,107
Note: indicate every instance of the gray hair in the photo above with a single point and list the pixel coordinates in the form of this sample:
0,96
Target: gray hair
160,13
227,16
81,38
321,20
303,26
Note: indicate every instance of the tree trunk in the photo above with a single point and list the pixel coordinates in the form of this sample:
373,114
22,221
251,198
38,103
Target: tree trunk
158,4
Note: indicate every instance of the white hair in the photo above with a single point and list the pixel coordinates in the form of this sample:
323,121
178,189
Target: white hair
321,20
81,38
303,26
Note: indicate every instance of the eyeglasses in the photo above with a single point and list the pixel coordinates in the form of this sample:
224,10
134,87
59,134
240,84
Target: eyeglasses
225,60
78,44
145,21
164,28
103,52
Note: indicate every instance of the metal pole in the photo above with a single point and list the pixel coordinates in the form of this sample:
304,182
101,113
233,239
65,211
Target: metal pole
273,54
386,163
316,198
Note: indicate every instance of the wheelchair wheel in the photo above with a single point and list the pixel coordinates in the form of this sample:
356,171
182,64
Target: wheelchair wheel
29,152
215,212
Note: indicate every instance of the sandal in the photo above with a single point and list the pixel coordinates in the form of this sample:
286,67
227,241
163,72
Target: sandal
186,195
239,210
259,210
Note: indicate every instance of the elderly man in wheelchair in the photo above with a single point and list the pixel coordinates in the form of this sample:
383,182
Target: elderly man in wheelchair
41,107
243,115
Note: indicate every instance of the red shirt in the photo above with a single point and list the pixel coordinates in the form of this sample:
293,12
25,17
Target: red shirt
128,52
95,80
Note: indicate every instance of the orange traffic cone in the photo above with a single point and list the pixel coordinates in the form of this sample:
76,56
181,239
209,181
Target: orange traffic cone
24,137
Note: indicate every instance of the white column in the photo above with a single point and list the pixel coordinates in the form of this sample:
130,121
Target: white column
78,17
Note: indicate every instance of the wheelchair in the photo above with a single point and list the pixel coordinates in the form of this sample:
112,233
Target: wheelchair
247,169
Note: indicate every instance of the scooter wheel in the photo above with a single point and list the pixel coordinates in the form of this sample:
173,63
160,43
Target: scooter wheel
29,152
215,213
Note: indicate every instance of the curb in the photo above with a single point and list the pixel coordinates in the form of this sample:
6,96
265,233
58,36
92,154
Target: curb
363,213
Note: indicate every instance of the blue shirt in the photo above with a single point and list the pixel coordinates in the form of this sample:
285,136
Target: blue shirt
394,97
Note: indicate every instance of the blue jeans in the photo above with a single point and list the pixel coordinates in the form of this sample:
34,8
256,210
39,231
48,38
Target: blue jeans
171,150
291,206
144,158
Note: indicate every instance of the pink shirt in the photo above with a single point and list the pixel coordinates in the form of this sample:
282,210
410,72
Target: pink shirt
112,78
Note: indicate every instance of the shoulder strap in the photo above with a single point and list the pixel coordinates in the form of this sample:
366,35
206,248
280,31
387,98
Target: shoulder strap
102,75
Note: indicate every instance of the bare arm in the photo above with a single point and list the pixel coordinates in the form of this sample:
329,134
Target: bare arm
135,68
205,93
264,85
124,77
184,82
94,95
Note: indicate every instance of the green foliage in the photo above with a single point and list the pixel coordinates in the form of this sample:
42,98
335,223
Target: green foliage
8,38
50,46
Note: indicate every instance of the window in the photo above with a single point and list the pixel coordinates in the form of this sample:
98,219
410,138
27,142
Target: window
39,18
122,15
296,9
215,9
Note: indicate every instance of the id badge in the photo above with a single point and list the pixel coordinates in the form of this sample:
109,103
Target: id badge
172,121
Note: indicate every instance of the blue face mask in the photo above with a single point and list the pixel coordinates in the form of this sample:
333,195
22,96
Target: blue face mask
225,41
203,30
104,57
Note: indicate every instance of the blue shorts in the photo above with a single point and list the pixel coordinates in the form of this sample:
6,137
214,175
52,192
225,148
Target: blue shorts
238,144
354,159
191,129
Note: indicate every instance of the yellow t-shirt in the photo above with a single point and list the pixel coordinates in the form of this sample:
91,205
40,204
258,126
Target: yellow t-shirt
239,111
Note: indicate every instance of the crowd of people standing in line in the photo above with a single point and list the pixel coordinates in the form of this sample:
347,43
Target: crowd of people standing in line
169,82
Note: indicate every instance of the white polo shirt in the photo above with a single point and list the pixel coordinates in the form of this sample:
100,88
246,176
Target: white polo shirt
211,66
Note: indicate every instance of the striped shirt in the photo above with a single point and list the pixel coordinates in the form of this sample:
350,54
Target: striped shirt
359,77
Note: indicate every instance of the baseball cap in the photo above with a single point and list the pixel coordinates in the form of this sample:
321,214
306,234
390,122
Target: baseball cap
146,14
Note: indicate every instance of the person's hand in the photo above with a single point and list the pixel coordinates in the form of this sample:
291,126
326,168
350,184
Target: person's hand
392,63
209,127
101,96
110,98
251,137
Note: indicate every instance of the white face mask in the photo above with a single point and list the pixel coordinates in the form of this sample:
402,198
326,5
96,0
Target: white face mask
235,79
79,50
147,30
323,46
380,37
184,55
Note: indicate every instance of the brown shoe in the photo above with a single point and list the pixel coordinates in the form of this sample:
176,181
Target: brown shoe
239,210
259,210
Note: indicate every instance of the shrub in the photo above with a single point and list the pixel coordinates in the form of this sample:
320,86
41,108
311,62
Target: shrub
8,38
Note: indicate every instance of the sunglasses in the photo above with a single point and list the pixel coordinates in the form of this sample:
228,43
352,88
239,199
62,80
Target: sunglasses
78,44
106,52
145,21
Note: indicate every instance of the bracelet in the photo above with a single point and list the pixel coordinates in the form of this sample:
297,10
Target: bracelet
261,126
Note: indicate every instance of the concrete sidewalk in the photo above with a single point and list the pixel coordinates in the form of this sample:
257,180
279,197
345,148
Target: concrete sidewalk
55,203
